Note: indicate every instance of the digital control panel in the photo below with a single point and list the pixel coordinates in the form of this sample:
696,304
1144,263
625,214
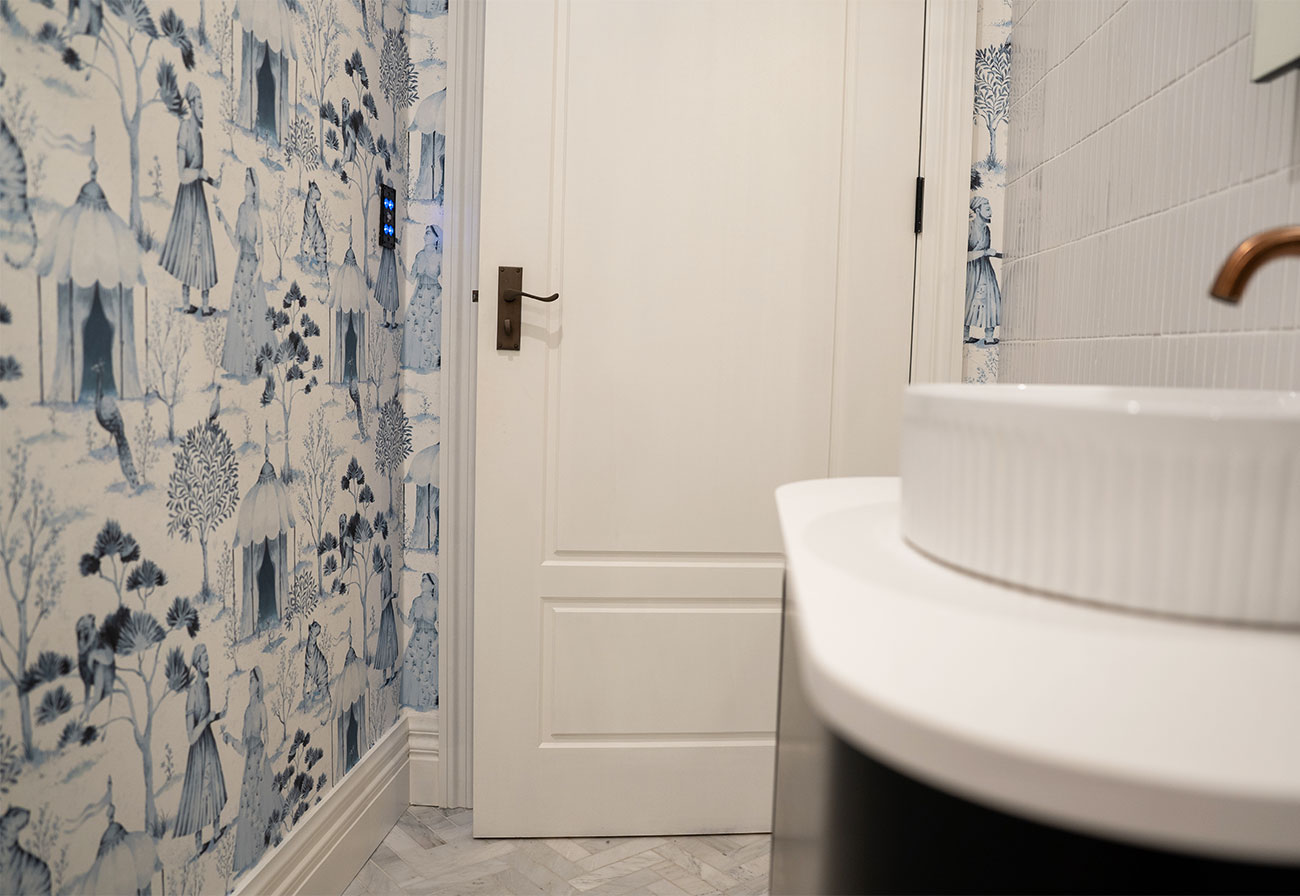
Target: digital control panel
387,217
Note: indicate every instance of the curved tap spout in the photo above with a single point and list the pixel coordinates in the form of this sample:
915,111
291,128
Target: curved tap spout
1249,255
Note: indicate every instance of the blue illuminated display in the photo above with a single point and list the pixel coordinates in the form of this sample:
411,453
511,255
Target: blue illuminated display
387,217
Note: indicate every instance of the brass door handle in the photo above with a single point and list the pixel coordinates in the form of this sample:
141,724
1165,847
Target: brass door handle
510,282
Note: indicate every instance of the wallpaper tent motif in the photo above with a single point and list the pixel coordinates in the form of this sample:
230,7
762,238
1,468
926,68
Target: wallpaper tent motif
427,7
350,713
267,44
430,121
93,257
423,472
265,525
348,308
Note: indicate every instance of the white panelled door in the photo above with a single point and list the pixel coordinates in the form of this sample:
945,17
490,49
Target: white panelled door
721,192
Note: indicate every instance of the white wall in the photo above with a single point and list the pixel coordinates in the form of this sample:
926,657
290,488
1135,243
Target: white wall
1140,153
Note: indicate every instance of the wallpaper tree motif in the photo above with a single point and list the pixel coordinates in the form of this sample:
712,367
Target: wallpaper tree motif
170,710
993,93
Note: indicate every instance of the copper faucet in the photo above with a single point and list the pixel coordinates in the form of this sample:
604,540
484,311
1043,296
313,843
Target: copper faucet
1250,254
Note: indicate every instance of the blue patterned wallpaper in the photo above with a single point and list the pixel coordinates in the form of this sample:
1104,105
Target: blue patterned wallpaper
219,508
993,59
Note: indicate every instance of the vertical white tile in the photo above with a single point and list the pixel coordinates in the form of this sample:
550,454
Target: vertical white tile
1288,364
1136,165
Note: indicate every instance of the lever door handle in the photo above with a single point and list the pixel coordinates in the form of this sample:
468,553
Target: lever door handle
510,293
513,295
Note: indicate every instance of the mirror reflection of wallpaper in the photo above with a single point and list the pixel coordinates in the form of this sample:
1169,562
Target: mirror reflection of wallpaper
993,59
213,465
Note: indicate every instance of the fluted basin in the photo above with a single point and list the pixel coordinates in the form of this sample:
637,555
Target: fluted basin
1173,501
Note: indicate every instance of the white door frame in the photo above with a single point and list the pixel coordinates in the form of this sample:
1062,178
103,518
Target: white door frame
939,301
459,365
947,97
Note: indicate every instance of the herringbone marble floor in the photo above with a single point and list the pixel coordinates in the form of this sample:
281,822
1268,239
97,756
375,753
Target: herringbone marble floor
431,851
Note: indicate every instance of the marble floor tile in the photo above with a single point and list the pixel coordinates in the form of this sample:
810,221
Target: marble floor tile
544,853
420,833
663,887
619,852
687,882
568,848
432,852
539,873
372,881
616,870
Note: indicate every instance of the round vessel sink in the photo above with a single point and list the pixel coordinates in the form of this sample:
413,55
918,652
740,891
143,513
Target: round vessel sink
1173,501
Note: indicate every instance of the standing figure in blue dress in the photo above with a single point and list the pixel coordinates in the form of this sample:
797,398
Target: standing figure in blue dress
258,799
420,665
386,650
423,348
203,793
983,298
187,253
247,326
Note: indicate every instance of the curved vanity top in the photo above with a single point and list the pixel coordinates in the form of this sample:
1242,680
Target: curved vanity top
1164,733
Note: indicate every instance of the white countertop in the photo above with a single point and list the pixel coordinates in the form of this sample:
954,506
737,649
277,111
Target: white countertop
1164,733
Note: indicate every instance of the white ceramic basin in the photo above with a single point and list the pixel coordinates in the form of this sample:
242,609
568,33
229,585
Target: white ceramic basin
1175,501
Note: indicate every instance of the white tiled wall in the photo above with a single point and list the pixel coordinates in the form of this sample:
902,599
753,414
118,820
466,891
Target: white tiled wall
1140,153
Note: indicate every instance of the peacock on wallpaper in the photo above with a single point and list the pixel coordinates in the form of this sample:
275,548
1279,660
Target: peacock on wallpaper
219,423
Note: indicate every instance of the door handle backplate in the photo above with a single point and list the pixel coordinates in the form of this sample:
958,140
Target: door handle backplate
509,314
510,300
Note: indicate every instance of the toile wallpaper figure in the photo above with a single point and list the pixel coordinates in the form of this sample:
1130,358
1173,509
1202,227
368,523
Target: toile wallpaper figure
17,226
316,672
187,253
203,795
21,873
247,326
983,297
990,110
315,246
258,799
96,664
386,650
420,666
423,338
126,426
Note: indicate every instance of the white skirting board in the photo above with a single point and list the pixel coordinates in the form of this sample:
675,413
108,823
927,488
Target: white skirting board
329,846
426,772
